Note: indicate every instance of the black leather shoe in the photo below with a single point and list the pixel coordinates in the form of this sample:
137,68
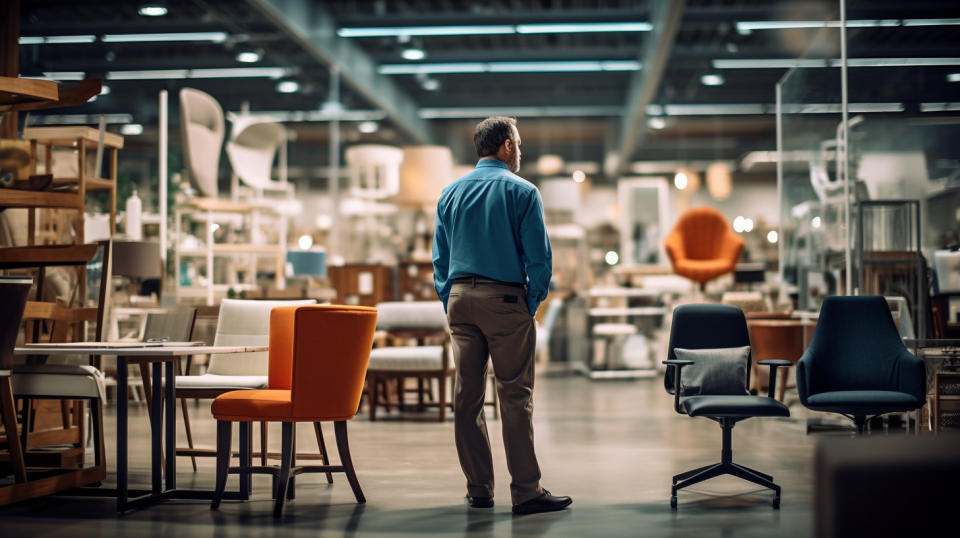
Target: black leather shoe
543,503
480,502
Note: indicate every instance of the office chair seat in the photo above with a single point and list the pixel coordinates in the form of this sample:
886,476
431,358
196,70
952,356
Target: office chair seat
870,402
733,406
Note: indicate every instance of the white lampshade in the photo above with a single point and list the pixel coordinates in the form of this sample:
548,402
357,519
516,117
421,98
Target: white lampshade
374,170
425,171
719,181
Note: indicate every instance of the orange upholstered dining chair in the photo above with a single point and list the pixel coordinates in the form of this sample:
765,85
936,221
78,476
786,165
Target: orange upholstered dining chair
702,245
318,361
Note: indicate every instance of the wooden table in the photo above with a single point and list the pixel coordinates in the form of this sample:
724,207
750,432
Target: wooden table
161,430
778,339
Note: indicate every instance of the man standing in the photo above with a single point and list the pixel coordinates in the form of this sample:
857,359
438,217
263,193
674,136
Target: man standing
491,267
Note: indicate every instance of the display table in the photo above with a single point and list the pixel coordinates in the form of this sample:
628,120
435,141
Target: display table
162,429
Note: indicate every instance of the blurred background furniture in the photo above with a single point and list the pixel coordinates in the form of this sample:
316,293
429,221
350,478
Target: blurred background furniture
702,245
317,360
856,365
202,129
709,328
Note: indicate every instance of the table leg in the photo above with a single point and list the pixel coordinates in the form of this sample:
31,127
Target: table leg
9,412
245,437
171,440
156,431
121,434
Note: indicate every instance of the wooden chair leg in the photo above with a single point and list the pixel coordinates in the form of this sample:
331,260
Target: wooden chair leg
8,411
286,452
224,451
343,447
186,425
292,483
323,449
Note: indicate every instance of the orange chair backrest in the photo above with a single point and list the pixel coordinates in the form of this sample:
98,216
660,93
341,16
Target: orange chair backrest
320,353
702,229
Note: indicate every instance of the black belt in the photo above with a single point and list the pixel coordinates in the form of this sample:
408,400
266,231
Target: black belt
474,280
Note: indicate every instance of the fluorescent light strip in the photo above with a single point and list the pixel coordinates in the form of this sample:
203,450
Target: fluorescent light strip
78,119
425,31
749,26
953,77
57,39
510,67
233,72
749,109
939,107
314,115
63,75
834,62
536,28
584,27
527,112
215,37
931,22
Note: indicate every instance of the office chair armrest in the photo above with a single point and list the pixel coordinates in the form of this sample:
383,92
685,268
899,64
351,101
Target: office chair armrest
773,364
678,364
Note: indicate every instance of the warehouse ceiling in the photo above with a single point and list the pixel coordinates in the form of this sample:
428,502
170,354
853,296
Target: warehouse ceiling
649,80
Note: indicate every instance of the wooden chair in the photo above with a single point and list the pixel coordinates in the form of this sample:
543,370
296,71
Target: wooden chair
318,359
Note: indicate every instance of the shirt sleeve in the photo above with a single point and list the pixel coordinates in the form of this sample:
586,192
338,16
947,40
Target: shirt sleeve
537,256
441,260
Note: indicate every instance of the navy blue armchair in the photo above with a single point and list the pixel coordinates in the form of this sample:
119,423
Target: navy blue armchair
856,365
708,332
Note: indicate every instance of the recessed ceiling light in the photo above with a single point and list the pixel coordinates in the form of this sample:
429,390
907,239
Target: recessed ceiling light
248,56
656,123
288,86
712,80
367,127
104,89
152,10
413,54
431,84
131,129
953,77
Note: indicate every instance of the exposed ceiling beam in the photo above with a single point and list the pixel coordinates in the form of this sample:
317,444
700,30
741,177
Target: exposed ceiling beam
666,15
315,30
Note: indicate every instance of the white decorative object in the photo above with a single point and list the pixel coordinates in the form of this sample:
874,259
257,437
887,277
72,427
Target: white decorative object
132,220
425,171
374,170
202,129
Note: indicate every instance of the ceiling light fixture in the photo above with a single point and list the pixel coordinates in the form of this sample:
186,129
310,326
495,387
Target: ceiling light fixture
214,37
248,56
104,89
368,127
413,54
712,79
57,39
288,86
521,112
152,10
511,67
229,72
583,27
431,84
63,75
835,62
490,29
953,77
131,129
656,123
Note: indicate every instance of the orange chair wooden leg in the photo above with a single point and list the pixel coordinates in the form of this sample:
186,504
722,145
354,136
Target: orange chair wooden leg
343,447
224,452
323,449
286,452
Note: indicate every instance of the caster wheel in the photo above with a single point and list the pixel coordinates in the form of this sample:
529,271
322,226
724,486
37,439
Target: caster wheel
776,503
673,502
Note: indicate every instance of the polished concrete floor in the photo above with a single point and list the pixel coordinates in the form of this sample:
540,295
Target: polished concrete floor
611,445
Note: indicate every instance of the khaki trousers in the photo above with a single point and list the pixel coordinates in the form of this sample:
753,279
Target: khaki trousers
491,320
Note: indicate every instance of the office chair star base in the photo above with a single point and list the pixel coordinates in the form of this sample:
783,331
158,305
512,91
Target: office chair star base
726,466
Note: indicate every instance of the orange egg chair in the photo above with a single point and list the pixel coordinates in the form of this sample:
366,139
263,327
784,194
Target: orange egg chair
317,365
702,245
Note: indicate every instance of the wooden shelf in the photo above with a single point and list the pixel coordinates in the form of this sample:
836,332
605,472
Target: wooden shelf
16,91
67,136
47,255
224,249
22,198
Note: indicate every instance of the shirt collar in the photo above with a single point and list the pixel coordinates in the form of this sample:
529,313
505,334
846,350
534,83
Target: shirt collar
494,162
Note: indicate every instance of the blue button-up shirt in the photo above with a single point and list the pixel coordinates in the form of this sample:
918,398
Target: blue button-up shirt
490,224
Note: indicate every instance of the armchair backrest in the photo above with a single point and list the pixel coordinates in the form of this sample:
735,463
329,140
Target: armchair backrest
699,235
320,353
411,316
252,150
202,131
13,295
245,323
856,346
706,326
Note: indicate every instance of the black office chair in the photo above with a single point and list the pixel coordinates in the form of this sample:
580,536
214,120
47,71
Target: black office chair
715,338
856,365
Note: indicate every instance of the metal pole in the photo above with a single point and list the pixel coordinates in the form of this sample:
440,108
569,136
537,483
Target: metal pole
781,254
845,132
163,177
334,159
